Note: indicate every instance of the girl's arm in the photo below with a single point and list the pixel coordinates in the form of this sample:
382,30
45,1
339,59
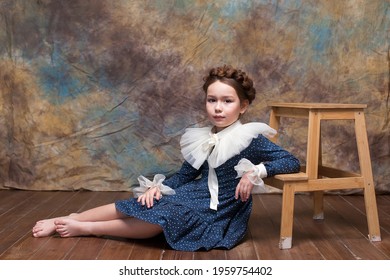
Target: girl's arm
270,159
275,159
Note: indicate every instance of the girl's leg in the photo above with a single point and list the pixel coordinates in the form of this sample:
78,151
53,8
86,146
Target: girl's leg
125,227
102,213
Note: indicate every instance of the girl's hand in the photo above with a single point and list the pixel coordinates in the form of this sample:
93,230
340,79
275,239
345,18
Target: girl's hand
148,197
244,188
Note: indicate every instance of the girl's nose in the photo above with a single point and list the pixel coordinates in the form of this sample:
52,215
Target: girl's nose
218,107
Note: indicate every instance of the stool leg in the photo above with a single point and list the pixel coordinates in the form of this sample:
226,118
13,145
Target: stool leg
318,201
286,226
274,122
318,196
366,171
314,157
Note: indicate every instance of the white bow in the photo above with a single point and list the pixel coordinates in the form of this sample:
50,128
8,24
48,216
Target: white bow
212,179
211,142
145,184
213,188
257,172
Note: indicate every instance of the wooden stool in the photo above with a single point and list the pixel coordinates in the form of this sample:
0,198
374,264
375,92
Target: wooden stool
317,178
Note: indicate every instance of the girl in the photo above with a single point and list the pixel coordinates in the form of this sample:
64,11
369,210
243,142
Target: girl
207,203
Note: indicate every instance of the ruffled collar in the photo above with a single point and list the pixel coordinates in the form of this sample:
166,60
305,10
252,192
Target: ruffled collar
201,144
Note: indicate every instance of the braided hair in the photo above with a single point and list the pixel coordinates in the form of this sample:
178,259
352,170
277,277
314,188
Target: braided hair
235,78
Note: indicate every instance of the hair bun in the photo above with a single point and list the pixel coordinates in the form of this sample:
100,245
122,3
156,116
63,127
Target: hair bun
240,77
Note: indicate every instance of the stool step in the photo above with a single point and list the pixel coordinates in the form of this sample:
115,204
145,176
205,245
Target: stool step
300,176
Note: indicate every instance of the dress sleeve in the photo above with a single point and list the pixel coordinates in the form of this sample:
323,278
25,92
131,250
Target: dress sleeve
186,174
275,159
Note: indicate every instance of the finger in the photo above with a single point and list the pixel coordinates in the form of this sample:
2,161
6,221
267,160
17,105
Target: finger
249,190
141,199
243,194
149,200
237,193
152,195
145,200
158,194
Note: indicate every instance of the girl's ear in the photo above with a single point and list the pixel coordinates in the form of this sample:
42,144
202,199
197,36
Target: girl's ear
244,106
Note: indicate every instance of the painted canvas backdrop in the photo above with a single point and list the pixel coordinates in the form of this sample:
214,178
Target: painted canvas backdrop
95,93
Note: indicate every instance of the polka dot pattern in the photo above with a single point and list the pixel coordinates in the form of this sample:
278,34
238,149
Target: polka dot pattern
188,222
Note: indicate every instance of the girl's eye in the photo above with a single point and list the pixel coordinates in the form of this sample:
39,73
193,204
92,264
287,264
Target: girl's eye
210,100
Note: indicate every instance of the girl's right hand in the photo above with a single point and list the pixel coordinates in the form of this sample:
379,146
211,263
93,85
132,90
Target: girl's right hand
148,197
244,188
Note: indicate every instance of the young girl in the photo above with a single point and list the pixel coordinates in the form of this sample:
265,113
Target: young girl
207,203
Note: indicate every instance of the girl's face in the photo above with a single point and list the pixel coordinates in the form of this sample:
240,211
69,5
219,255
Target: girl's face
223,105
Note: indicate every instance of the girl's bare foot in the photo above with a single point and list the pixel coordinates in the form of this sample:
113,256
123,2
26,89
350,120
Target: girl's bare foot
66,227
44,228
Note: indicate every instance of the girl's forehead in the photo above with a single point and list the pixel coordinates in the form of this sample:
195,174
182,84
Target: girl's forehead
219,88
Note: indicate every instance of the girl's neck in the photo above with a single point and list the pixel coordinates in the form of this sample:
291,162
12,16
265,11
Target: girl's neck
216,130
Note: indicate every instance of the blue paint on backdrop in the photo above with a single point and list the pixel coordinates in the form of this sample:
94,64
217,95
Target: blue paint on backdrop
59,80
235,9
321,37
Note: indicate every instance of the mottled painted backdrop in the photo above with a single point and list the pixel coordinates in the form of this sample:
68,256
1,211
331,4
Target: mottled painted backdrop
95,93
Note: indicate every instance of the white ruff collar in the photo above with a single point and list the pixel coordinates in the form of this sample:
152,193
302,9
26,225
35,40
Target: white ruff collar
200,144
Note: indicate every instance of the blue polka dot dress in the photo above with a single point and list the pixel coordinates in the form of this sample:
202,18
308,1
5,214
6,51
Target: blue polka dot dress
187,220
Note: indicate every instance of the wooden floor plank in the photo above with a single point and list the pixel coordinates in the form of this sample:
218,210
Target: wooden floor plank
116,249
150,249
243,251
217,254
33,245
357,203
383,209
11,199
349,227
342,235
55,248
18,210
321,233
20,219
170,254
86,248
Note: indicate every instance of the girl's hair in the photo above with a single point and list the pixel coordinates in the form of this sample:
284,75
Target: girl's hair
235,78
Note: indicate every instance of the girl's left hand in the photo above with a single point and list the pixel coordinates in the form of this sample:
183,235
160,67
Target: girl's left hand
244,188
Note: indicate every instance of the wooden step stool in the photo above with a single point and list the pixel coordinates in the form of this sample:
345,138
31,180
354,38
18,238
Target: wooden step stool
317,178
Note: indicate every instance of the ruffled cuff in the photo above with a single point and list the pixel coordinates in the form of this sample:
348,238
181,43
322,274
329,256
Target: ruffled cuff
257,171
145,184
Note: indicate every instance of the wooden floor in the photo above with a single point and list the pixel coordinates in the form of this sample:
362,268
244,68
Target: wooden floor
342,235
